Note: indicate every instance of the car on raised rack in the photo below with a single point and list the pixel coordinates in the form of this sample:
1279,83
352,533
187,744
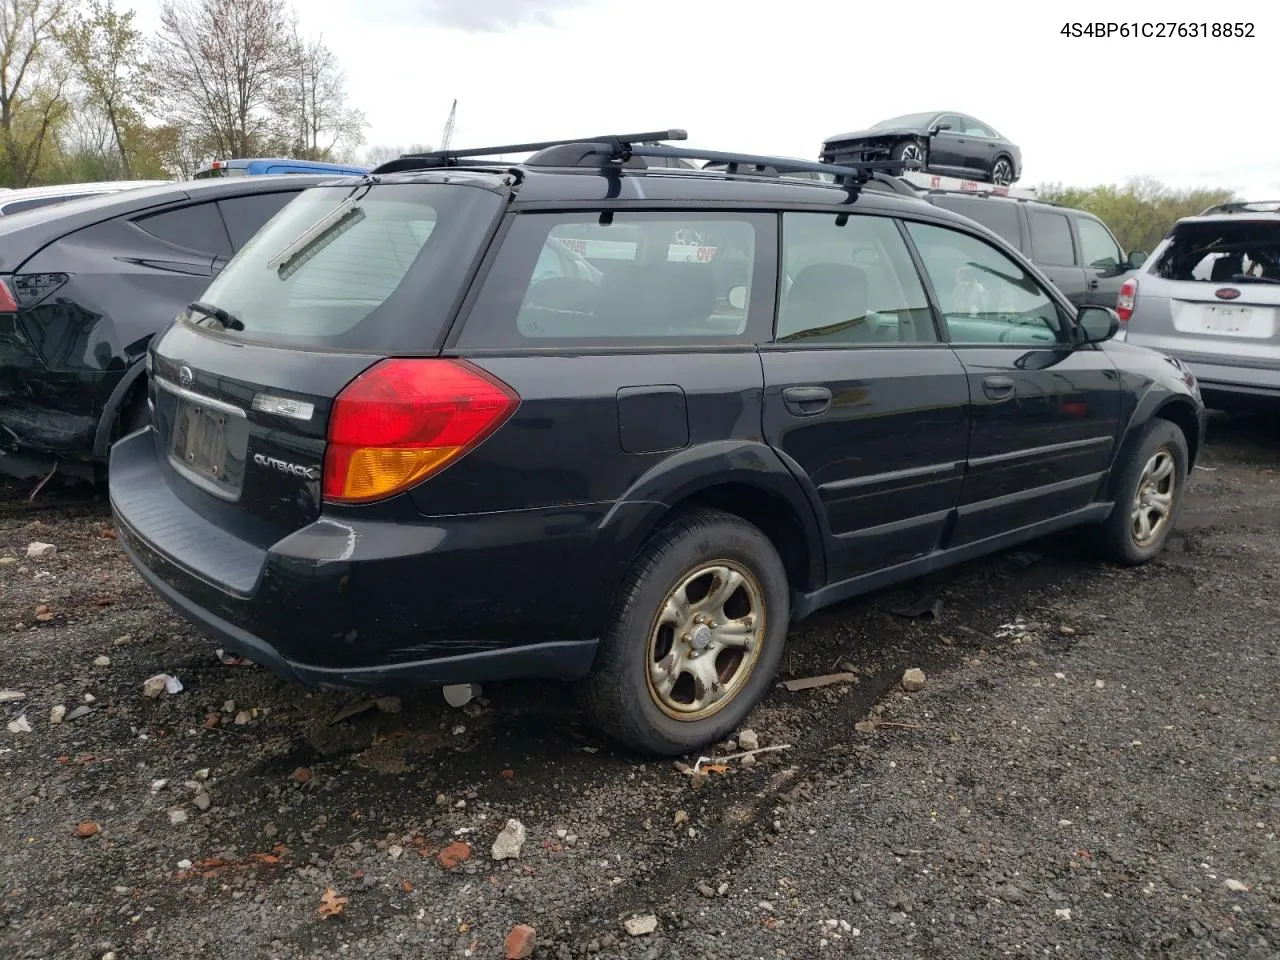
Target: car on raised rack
948,143
402,441
84,285
1210,296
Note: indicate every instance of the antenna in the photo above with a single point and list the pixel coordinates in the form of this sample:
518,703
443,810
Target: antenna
448,127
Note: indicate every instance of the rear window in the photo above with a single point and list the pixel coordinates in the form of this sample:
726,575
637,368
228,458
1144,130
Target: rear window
621,278
1222,250
368,269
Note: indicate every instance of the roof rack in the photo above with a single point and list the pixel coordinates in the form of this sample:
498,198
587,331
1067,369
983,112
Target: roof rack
620,146
630,150
1243,206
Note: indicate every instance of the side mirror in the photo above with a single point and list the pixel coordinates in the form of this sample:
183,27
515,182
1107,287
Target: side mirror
1137,259
938,128
1096,325
738,297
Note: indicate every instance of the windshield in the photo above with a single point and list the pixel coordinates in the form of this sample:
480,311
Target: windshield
1218,251
907,120
367,268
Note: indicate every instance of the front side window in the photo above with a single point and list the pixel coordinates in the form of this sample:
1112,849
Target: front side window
985,296
849,280
1097,246
618,278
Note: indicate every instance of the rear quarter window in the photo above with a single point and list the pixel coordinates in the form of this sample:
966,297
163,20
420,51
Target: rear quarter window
624,279
997,216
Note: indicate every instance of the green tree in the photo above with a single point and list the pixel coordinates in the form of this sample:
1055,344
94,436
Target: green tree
1141,212
108,60
33,81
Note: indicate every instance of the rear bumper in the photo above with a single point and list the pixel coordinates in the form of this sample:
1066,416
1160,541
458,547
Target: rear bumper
1248,379
367,603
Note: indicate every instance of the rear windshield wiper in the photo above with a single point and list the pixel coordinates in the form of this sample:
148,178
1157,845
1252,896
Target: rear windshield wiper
1247,278
316,237
229,321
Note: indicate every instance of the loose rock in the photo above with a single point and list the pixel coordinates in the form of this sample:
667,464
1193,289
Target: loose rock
57,714
38,549
102,661
520,942
201,801
86,830
1235,886
78,712
159,685
389,705
749,740
707,891
642,926
454,854
510,841
913,680
177,816
20,725
11,696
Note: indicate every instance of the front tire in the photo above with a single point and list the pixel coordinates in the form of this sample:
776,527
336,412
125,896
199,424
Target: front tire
1153,479
1002,172
909,150
695,636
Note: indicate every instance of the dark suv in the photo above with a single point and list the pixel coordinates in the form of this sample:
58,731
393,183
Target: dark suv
405,441
83,288
1073,248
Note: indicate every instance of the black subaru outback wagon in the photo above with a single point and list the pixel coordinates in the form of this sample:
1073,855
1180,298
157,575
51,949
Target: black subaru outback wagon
595,418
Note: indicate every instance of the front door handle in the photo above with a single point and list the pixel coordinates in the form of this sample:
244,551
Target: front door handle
997,388
1093,284
806,401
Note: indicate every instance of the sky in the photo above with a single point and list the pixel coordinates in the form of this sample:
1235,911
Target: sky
777,78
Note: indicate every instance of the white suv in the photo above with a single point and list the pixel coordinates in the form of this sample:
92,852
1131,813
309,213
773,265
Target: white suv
1210,295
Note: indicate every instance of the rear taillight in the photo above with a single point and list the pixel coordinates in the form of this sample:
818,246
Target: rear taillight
1126,298
403,420
8,302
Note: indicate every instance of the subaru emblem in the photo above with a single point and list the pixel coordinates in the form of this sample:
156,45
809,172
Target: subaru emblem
185,376
1227,293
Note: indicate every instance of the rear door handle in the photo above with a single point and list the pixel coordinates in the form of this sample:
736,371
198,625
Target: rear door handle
997,388
1093,284
806,401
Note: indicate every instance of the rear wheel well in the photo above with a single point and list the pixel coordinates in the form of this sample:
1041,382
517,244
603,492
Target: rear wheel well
1183,416
776,518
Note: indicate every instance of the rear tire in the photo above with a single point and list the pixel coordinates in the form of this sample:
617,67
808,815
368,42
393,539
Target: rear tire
674,676
1001,172
1153,479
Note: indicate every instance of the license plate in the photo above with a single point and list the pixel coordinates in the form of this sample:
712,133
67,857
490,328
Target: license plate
200,442
1226,319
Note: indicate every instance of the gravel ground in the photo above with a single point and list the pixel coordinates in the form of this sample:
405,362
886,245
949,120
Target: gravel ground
1090,770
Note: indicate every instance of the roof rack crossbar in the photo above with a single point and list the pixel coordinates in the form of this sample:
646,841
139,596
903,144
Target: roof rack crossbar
621,142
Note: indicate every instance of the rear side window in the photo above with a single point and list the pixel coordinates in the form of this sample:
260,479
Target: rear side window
245,216
997,216
198,227
370,269
1222,250
600,278
849,280
1051,239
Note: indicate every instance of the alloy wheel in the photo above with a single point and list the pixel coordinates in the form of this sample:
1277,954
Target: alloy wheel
1002,173
706,640
1153,500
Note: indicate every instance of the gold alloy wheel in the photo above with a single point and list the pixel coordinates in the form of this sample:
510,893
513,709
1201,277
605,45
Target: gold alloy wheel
705,641
1153,501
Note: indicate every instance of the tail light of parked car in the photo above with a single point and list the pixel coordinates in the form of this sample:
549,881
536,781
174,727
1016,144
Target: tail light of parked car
8,302
1126,298
403,420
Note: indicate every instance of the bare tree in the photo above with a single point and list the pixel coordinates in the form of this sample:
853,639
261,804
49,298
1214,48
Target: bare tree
32,80
381,153
220,66
313,108
107,55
